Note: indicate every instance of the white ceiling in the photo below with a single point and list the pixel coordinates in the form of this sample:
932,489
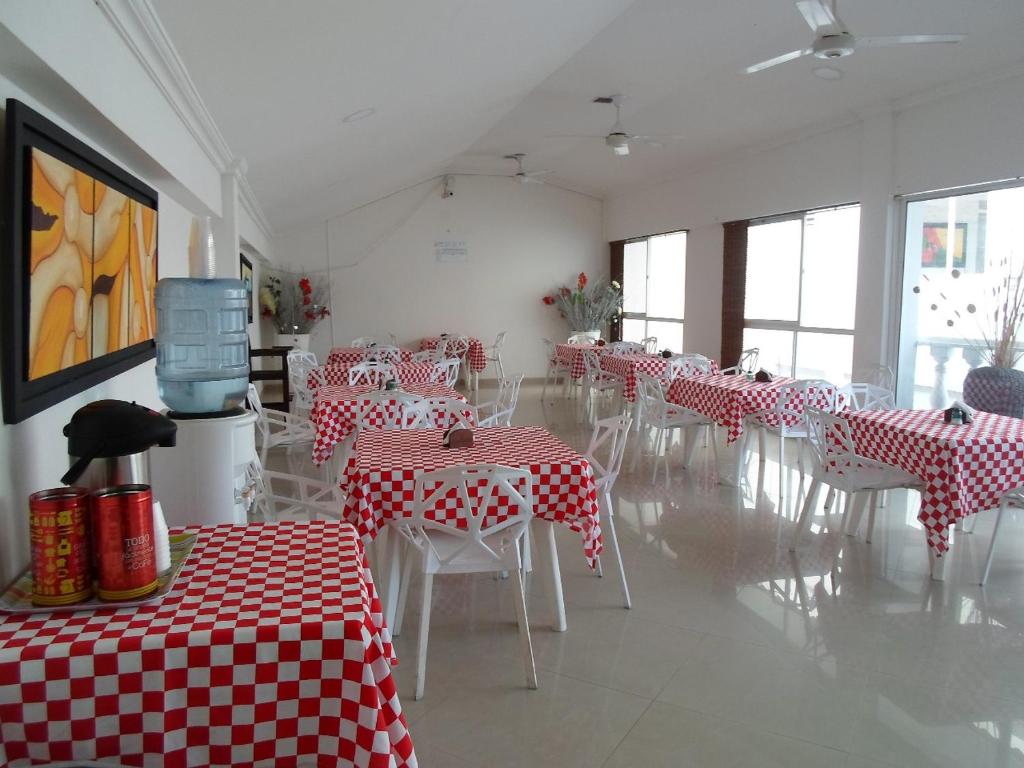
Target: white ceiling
456,84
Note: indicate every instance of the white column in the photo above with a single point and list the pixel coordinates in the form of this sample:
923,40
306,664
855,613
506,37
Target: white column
225,229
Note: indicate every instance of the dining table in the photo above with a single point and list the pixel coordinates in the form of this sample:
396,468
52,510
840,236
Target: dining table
964,468
382,473
406,373
336,409
269,649
571,356
476,354
349,356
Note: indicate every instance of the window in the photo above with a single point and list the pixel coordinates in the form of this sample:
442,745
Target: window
945,278
653,289
801,290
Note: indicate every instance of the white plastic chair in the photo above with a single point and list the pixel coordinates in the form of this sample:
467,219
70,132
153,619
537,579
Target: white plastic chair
277,428
370,373
384,410
493,354
456,411
837,464
626,348
382,353
458,346
363,341
446,372
469,496
879,375
664,417
1014,498
594,378
267,491
650,344
746,364
556,370
867,397
687,365
498,412
609,440
300,366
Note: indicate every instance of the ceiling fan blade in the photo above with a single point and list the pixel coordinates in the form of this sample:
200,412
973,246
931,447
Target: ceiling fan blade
576,136
777,60
649,137
527,179
531,174
887,40
819,15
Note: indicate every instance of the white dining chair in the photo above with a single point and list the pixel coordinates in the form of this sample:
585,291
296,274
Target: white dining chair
274,495
626,348
878,375
451,410
493,354
650,344
556,370
458,346
1014,499
371,373
384,410
664,418
595,379
465,538
689,364
837,464
604,454
746,364
278,428
382,353
446,372
363,341
300,366
498,412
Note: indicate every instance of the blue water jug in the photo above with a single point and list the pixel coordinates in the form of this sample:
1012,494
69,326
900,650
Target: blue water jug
202,344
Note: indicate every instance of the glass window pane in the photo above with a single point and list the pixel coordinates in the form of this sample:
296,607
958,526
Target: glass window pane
633,329
666,280
670,335
826,356
829,292
776,347
634,277
773,270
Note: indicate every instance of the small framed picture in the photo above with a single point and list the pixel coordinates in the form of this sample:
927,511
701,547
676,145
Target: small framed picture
245,274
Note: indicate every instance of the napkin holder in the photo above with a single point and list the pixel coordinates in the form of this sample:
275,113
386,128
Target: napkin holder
600,342
666,353
458,437
391,385
958,413
762,376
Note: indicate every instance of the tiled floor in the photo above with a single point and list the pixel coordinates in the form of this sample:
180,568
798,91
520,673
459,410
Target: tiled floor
735,653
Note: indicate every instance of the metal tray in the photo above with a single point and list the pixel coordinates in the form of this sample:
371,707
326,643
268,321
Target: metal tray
17,598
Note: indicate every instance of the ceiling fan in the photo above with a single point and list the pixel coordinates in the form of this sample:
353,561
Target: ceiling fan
525,177
617,138
834,41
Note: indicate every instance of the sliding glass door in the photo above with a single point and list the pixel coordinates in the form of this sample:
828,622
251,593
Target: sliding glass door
654,289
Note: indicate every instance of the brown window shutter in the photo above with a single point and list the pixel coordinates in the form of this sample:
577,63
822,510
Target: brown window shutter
617,249
734,285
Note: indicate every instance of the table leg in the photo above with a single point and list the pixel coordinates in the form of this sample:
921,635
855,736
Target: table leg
557,599
393,580
937,565
723,478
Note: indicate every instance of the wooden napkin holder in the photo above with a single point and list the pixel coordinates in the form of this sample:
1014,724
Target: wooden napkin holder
762,376
458,437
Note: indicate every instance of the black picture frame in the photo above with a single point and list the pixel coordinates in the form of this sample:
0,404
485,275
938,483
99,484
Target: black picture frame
27,129
245,275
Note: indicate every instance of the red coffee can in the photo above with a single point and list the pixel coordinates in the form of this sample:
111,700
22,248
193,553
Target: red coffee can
59,534
123,537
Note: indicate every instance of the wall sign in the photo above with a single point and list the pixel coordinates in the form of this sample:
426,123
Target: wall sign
450,250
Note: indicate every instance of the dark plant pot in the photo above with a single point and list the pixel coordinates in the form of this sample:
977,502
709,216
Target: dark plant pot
995,390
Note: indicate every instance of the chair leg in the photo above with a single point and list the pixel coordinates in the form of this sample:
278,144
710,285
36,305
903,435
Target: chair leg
691,439
498,365
544,389
618,553
782,462
421,646
524,633
872,503
805,514
856,513
830,498
761,439
657,451
712,436
992,544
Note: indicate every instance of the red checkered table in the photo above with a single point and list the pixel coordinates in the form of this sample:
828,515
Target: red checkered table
349,356
336,408
626,366
270,650
571,355
407,373
965,469
476,354
382,474
727,400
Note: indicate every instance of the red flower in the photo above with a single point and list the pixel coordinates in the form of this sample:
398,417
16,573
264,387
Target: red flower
582,283
266,312
549,300
324,312
565,291
305,285
310,315
307,299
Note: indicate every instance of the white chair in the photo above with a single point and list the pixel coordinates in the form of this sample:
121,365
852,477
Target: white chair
493,354
458,346
626,348
609,440
594,378
687,365
581,338
435,355
363,341
383,410
862,396
443,546
664,417
393,339
880,376
446,372
370,373
556,370
498,412
786,419
650,344
747,362
837,464
382,353
300,365
459,413
277,428
267,492
1014,498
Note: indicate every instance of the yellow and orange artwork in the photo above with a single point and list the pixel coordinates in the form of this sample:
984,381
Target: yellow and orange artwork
92,266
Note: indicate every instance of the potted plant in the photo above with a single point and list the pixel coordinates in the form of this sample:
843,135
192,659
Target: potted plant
295,307
587,310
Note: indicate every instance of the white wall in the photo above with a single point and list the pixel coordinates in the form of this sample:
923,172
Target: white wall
523,240
951,139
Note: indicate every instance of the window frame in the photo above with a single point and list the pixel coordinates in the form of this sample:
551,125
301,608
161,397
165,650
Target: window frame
646,318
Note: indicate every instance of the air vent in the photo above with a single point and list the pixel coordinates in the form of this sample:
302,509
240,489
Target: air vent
604,100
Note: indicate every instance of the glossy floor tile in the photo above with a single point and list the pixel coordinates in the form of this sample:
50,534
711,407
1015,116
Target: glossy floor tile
736,652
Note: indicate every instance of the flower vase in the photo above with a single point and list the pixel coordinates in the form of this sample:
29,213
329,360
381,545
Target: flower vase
995,390
592,335
293,340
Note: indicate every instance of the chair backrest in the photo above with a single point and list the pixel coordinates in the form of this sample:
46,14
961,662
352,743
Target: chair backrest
256,406
831,442
370,373
363,341
607,447
687,365
383,410
505,403
302,357
591,362
580,338
424,355
879,375
499,340
626,348
456,346
867,397
795,397
383,353
650,344
748,360
458,412
480,510
650,394
446,372
393,339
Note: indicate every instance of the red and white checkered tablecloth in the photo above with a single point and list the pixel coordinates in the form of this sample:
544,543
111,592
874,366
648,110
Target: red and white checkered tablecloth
965,469
336,408
727,400
626,366
408,373
476,354
270,650
383,471
351,355
571,355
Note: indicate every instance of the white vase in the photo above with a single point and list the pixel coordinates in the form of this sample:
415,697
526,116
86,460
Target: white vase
293,340
592,335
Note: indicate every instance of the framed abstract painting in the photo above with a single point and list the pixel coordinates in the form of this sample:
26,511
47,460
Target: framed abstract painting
80,263
245,274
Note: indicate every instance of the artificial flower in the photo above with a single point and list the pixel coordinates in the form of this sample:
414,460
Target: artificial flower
582,281
305,285
549,300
